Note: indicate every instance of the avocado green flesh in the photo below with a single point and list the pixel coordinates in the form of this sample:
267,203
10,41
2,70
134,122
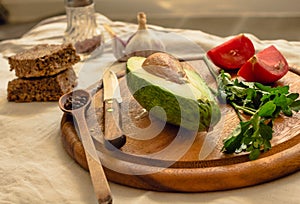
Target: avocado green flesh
190,105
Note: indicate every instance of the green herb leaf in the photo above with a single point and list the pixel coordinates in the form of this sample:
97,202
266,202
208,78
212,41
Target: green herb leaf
263,103
234,140
265,131
295,106
293,96
254,154
267,109
287,112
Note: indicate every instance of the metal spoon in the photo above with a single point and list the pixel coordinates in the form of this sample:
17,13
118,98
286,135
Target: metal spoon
76,103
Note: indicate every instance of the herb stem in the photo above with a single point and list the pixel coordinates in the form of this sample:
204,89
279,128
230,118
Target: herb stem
237,112
245,109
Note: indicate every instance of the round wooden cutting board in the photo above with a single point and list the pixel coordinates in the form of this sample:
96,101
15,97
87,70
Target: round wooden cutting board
163,157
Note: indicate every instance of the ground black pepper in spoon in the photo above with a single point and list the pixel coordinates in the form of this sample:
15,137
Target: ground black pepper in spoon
76,103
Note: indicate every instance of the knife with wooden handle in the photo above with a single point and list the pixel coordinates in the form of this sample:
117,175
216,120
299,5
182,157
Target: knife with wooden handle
111,107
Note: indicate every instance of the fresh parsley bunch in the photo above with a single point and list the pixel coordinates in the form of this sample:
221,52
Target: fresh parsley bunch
262,104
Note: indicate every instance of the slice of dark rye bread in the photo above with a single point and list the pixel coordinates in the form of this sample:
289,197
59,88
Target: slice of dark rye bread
41,88
43,60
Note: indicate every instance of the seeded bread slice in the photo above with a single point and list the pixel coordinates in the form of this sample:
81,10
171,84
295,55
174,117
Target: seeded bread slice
43,60
41,88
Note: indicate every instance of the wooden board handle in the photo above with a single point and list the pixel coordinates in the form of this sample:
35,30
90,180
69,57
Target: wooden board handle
112,123
295,70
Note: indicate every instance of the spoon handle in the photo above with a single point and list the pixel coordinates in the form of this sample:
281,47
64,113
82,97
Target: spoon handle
97,174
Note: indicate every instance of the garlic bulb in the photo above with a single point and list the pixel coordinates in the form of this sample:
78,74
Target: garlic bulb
144,42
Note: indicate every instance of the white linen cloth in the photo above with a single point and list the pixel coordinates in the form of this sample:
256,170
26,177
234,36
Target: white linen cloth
35,168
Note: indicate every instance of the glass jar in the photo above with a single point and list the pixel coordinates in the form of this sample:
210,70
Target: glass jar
82,30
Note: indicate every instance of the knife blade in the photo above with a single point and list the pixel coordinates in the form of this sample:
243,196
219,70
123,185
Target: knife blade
112,111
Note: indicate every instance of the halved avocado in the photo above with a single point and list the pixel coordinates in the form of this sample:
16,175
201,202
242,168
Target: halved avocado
190,104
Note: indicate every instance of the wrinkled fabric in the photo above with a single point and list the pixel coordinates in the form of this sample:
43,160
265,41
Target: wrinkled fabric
35,168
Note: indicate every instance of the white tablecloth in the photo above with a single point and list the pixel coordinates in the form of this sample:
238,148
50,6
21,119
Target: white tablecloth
34,167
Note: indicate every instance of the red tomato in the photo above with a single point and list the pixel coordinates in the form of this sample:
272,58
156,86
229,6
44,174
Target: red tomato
267,66
233,53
